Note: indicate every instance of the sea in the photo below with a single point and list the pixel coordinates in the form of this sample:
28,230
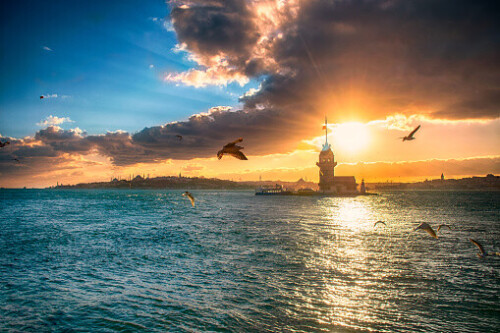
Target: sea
147,261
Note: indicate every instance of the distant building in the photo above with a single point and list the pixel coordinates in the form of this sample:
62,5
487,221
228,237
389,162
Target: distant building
328,183
362,187
442,176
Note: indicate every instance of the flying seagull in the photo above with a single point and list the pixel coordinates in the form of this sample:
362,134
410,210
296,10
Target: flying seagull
410,137
3,144
233,150
426,227
482,253
189,196
381,222
442,226
179,136
15,159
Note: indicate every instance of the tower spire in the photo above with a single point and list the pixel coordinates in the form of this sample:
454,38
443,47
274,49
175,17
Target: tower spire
326,146
326,131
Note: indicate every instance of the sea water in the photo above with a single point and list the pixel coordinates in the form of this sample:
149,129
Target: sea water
146,260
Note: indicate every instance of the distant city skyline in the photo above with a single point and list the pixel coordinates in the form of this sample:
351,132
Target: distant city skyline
93,90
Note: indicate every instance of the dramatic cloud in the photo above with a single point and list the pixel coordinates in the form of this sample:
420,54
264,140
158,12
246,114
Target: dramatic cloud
54,120
353,58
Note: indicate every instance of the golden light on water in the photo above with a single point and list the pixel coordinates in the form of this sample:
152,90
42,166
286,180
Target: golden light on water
352,293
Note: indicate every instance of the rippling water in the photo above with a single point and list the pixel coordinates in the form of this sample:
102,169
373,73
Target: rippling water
108,260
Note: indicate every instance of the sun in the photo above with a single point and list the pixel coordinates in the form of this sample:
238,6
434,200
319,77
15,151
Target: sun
350,137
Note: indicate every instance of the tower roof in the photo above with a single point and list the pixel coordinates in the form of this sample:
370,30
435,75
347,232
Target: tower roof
326,151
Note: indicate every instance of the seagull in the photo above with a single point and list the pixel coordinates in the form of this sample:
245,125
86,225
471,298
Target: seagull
3,144
233,150
189,196
381,222
442,226
179,136
482,253
41,97
426,227
410,137
15,159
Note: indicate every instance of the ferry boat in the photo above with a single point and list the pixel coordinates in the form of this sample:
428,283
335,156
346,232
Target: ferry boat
272,190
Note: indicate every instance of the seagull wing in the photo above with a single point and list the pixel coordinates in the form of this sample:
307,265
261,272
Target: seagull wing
413,132
232,144
426,227
381,222
481,249
238,154
442,226
189,196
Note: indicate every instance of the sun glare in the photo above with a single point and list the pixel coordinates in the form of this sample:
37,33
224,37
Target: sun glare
351,137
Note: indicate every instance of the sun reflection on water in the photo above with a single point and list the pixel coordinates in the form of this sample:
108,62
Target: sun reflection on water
349,265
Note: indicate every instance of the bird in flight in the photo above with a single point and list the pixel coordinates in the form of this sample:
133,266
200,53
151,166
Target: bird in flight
410,137
189,196
426,227
233,150
15,159
381,222
179,137
482,253
3,144
442,226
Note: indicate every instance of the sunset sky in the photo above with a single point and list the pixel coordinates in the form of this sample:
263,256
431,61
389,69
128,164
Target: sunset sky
120,79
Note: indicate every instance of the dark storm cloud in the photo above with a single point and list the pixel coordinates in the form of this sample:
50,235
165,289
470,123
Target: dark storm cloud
204,134
211,26
439,58
436,57
484,105
433,54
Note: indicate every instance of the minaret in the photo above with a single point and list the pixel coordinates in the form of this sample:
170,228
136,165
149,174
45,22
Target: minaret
326,164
